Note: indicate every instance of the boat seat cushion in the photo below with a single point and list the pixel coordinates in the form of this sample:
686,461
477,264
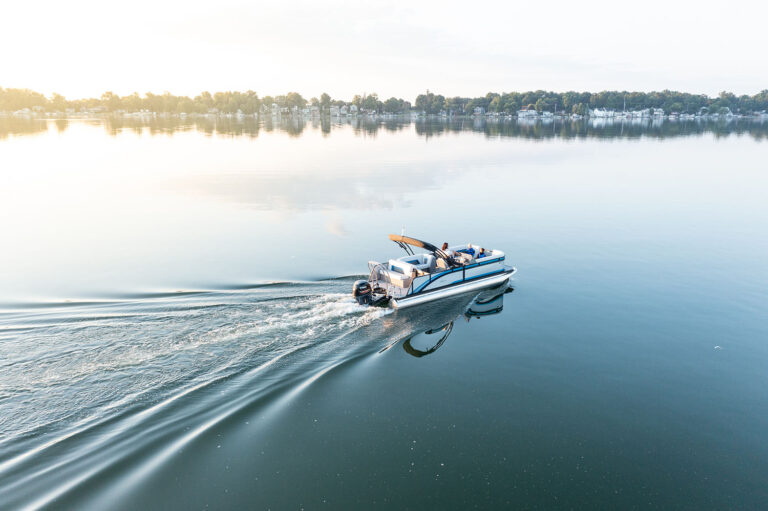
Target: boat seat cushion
406,265
464,258
399,280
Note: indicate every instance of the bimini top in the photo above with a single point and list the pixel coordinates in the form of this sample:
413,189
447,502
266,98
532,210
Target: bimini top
412,241
405,241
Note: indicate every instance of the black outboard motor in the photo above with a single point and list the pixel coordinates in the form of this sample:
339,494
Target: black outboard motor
362,292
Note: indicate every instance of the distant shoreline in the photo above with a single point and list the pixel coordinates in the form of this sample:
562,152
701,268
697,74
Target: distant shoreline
602,115
521,105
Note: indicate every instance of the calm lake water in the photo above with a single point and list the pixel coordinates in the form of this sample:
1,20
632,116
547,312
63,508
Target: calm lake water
177,330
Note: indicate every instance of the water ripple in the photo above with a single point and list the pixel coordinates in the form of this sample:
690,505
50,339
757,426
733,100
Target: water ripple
87,384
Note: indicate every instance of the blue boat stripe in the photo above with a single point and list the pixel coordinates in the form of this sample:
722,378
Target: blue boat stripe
452,283
460,268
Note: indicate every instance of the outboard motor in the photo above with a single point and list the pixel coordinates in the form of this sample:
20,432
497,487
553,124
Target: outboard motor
362,292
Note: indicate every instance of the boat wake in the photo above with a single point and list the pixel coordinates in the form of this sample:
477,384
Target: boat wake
88,387
68,369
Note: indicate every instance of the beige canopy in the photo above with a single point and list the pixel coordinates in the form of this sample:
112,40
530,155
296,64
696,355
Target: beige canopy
397,238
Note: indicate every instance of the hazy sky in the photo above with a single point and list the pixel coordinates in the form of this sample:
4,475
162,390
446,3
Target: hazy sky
82,48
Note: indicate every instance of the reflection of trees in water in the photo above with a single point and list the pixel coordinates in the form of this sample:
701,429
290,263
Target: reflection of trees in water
61,125
24,126
367,126
248,127
591,129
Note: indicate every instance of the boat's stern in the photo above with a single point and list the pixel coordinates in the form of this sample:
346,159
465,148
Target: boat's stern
363,292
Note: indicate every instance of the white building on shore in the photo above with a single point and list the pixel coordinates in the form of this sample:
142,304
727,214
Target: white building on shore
602,113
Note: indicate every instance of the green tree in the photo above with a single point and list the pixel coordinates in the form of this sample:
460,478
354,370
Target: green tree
495,104
544,104
580,108
455,105
294,99
394,105
131,103
430,103
325,102
58,102
370,102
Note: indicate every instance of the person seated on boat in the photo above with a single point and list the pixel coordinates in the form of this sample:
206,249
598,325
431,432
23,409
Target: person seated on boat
465,255
469,250
481,253
442,263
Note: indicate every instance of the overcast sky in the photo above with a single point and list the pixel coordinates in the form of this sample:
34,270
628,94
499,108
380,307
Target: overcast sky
82,48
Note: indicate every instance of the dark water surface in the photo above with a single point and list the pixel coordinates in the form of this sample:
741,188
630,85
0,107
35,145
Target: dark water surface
176,329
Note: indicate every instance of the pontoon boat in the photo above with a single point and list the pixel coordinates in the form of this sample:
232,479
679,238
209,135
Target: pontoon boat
434,274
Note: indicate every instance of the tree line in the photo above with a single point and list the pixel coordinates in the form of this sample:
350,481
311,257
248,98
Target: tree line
225,102
582,102
503,103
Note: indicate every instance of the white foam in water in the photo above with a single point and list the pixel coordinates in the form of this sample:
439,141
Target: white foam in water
294,323
62,377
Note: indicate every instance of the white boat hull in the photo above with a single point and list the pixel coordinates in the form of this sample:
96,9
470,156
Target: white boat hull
464,287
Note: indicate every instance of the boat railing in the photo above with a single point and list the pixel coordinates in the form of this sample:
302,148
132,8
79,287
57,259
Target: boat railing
380,278
375,276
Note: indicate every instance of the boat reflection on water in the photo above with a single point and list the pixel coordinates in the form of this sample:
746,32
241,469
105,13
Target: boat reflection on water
435,324
487,306
427,342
